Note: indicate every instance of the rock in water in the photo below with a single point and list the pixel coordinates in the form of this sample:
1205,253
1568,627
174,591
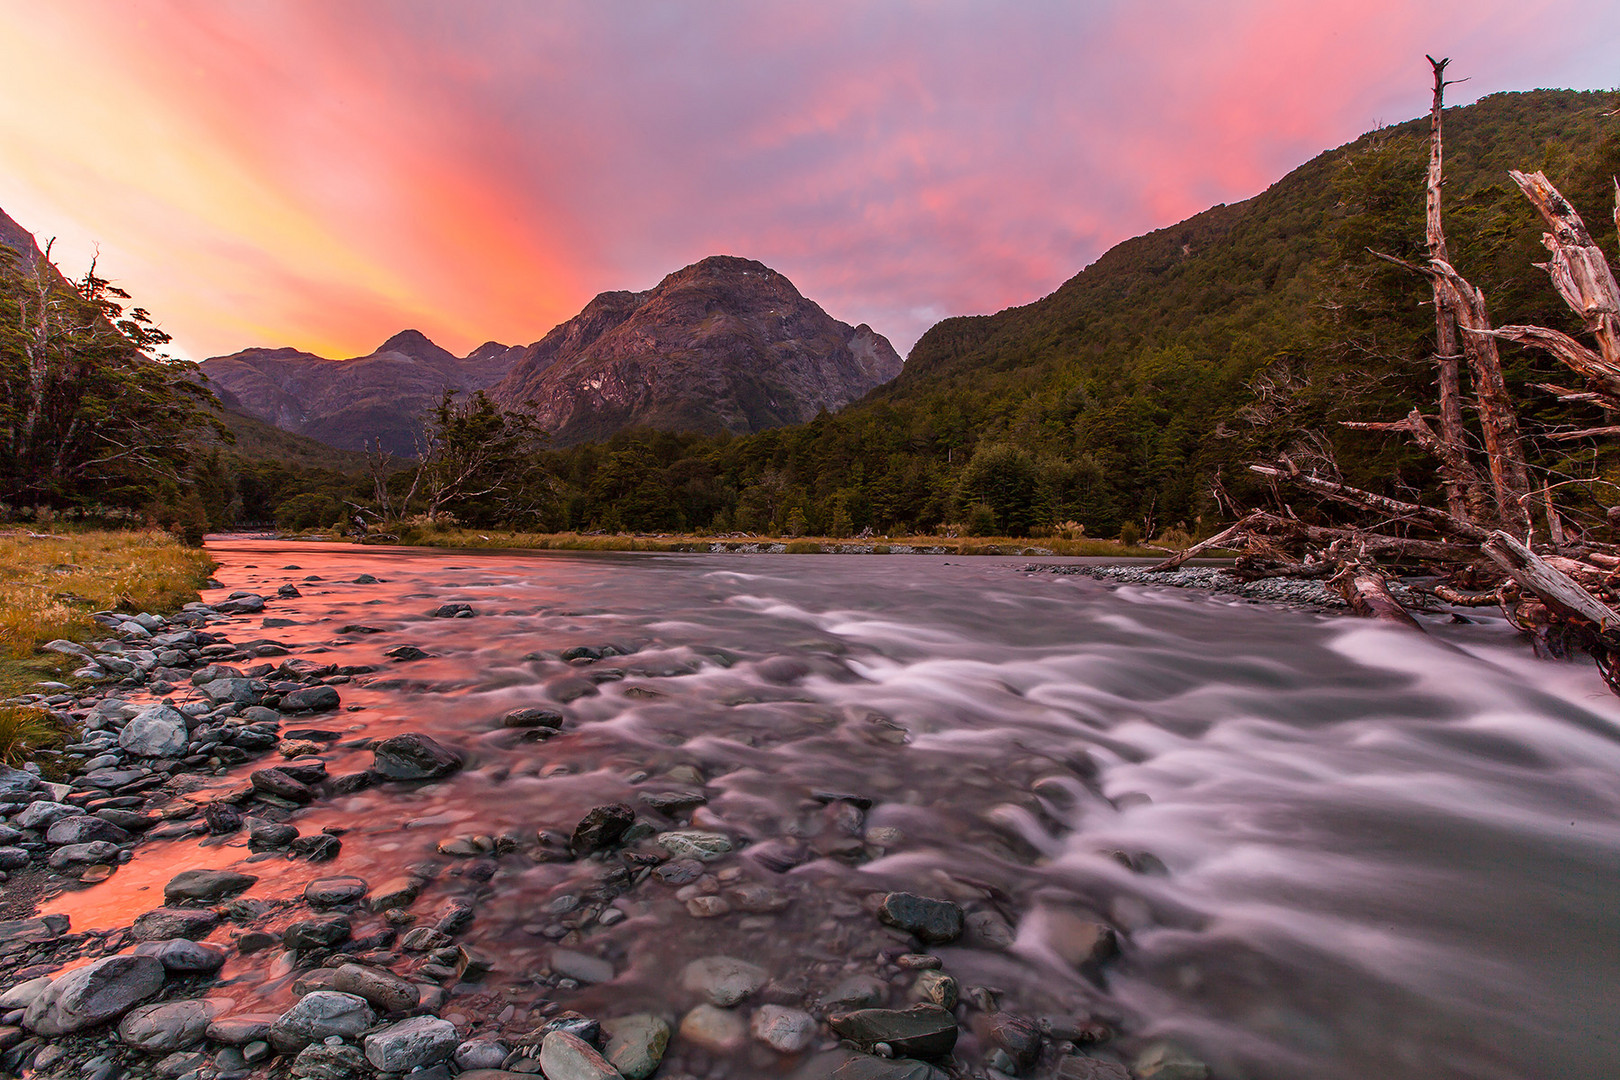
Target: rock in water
413,756
310,699
601,828
156,732
384,990
924,1030
334,891
160,924
934,921
636,1044
1164,1061
723,980
317,1015
568,1057
94,994
784,1030
861,1067
533,718
165,1028
410,1044
205,885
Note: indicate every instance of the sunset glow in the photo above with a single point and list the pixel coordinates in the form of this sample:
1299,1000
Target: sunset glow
324,174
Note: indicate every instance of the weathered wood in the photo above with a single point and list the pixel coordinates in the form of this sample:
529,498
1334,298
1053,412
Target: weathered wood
1560,592
1602,377
1457,474
1367,593
1439,520
1459,491
1564,393
1457,598
1583,433
1369,544
1219,539
1578,268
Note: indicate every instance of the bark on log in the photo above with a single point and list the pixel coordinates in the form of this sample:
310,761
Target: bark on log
1497,420
1215,541
1561,593
1565,436
1578,268
1461,497
1362,542
1602,377
1461,599
1367,593
1438,520
1464,498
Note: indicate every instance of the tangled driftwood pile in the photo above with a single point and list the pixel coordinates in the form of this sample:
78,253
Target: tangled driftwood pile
1502,539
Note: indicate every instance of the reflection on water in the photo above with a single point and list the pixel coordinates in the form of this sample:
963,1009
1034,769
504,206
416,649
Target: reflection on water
1332,849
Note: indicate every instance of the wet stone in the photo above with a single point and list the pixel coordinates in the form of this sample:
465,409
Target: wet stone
411,1044
317,1015
319,1061
334,891
94,994
1077,1067
932,920
785,1030
635,1044
862,1067
317,933
413,756
1165,1061
184,957
160,924
723,980
924,1030
385,991
205,886
692,844
533,718
567,1057
937,987
282,784
165,1028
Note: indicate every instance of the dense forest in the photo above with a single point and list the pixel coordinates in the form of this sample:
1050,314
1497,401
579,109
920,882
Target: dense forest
1129,399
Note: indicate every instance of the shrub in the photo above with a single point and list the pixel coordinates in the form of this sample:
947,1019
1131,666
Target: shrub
1129,534
981,520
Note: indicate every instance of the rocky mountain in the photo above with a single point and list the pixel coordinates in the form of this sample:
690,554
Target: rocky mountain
350,404
19,240
724,344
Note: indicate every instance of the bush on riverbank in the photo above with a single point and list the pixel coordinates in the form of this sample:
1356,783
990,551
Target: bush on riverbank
50,585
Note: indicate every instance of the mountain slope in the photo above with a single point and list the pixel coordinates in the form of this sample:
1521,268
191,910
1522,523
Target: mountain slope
724,344
349,404
1182,355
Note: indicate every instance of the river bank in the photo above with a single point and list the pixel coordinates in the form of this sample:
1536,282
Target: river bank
720,804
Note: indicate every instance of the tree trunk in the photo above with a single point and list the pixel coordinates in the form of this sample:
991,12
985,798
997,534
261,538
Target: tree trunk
1463,497
1560,592
1578,268
1498,421
1367,593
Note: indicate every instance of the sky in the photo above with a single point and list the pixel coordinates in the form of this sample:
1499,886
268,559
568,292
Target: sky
324,173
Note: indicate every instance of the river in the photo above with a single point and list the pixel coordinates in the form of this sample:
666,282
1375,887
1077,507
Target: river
1330,848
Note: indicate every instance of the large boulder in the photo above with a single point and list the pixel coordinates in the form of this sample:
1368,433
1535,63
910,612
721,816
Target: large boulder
161,924
94,994
569,1057
158,732
413,756
317,1015
167,1027
85,830
419,1041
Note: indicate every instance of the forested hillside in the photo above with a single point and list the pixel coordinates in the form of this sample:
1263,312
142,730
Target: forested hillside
1175,358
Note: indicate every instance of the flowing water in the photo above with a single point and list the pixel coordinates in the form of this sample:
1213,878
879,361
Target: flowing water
1331,849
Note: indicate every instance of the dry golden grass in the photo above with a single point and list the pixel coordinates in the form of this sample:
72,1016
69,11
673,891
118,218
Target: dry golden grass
24,732
50,585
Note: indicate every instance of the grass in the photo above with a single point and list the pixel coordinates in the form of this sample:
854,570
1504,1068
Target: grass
50,585
451,537
24,732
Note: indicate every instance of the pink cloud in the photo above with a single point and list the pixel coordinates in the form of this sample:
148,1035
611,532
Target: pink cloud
322,175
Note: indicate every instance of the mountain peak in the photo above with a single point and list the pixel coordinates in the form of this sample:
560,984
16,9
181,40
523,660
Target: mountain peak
409,342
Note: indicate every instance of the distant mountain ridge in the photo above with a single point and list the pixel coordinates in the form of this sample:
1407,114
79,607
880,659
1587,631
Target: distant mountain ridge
376,399
726,344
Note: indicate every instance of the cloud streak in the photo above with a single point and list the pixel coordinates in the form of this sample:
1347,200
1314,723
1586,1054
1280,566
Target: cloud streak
323,174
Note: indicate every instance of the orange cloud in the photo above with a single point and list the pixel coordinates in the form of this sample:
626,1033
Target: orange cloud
323,175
